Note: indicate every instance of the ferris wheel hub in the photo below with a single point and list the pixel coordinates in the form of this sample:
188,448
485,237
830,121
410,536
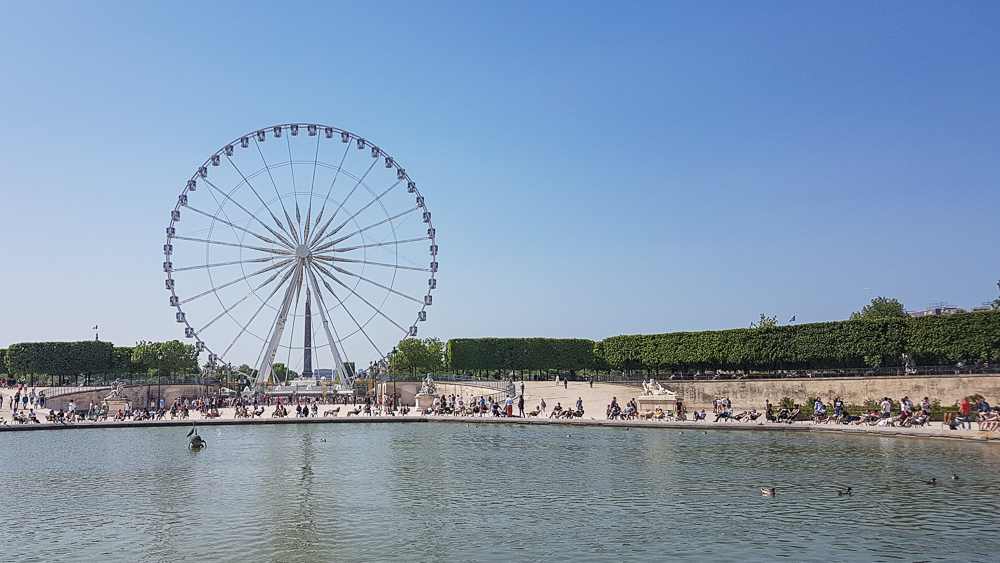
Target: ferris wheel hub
302,251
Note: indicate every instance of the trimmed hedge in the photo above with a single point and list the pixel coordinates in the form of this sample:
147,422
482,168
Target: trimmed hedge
969,337
520,354
60,358
934,340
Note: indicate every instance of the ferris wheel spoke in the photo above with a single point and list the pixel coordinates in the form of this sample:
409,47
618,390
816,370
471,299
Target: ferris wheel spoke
245,297
327,328
323,271
295,191
312,187
237,245
220,264
359,231
377,244
377,199
291,331
237,227
237,280
254,216
319,235
376,284
346,310
261,200
277,194
367,263
263,304
319,216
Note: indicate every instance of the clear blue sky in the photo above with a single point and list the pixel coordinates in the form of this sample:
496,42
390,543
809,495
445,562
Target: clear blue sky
594,168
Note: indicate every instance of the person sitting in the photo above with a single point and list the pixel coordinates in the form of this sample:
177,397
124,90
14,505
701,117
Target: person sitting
725,414
989,421
792,415
699,415
535,412
556,410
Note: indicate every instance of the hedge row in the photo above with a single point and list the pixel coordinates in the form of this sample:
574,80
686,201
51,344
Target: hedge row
970,338
60,358
936,340
469,354
88,357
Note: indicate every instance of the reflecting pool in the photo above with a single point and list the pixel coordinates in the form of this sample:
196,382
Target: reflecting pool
490,492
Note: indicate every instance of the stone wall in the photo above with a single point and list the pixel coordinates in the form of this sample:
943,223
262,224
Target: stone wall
751,393
138,394
408,389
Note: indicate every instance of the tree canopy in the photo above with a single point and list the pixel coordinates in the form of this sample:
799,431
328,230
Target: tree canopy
881,308
177,357
415,355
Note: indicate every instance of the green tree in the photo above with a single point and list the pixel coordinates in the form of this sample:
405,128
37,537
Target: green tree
282,373
881,308
177,357
418,355
765,322
996,302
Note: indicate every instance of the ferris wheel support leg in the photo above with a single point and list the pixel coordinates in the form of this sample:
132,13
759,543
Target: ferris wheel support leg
346,379
266,367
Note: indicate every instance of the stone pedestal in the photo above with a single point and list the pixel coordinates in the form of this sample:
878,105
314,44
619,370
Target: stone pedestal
423,402
113,407
652,402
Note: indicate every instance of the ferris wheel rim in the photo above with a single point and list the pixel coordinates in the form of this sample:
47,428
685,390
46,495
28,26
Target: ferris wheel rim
285,243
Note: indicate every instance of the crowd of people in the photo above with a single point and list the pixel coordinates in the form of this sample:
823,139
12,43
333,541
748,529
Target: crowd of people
26,406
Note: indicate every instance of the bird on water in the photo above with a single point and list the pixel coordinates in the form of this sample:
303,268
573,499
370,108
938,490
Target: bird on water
845,492
767,492
933,481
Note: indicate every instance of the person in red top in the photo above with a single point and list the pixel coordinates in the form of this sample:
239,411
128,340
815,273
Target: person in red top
966,414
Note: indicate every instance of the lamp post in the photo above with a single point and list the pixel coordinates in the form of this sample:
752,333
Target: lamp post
392,374
159,375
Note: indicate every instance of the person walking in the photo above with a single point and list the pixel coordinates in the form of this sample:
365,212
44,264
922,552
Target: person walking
520,403
592,382
565,384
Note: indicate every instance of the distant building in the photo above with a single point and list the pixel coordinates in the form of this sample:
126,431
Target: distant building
936,310
323,373
944,309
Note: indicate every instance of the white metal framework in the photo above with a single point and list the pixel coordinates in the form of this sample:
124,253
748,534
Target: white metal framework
293,224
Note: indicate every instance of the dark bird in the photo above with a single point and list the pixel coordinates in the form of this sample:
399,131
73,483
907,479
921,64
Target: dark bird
767,492
933,481
954,477
844,493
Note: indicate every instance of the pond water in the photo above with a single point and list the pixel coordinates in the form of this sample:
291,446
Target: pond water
468,492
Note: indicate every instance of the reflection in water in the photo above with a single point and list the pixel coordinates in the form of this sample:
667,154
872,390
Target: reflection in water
489,492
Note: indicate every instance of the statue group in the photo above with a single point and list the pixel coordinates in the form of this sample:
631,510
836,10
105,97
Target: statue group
654,388
427,388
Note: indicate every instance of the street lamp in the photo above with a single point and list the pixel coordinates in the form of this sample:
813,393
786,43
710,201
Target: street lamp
392,373
159,376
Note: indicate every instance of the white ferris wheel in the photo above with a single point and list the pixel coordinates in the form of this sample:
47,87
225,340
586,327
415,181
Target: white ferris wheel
302,245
